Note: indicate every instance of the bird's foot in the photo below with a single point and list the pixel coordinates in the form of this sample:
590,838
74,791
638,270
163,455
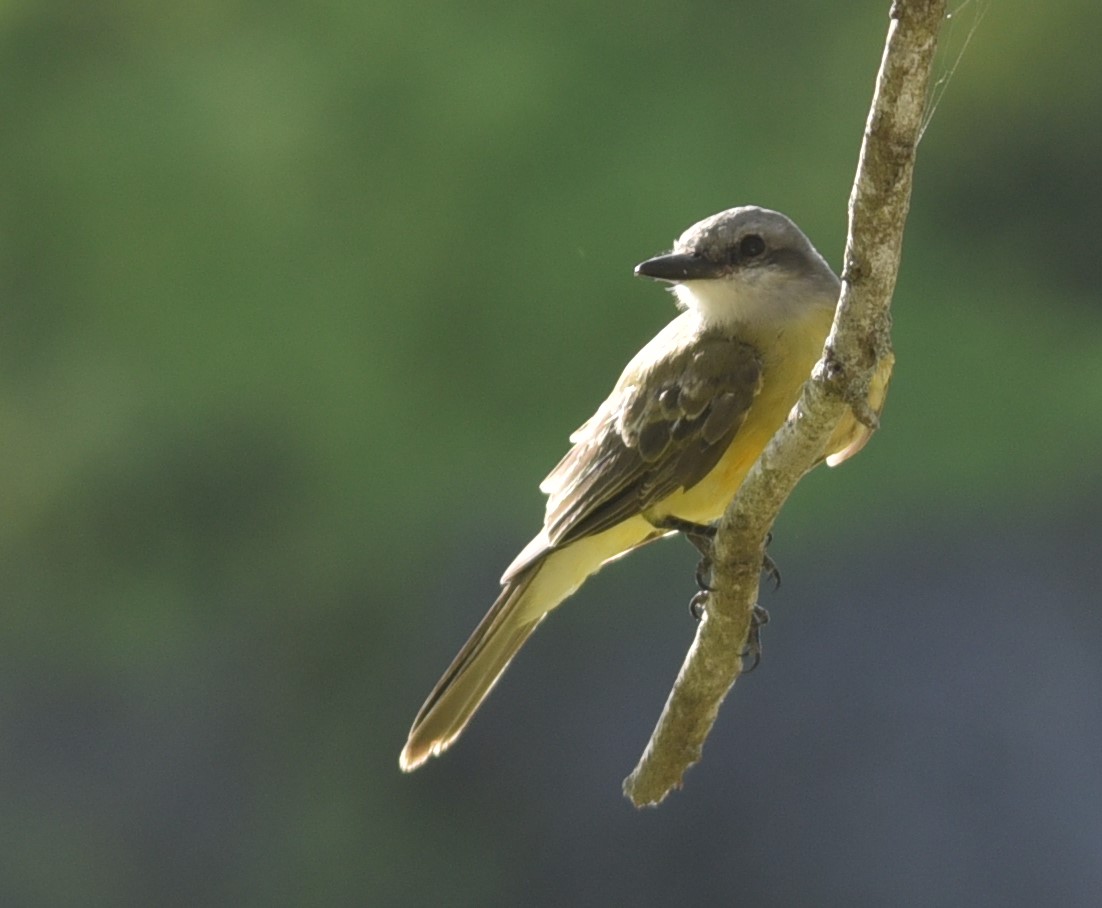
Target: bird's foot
759,617
702,537
698,605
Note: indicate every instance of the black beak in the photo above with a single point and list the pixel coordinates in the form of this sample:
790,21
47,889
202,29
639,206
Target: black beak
678,267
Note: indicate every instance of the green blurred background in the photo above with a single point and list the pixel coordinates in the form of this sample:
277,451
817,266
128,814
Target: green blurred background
298,302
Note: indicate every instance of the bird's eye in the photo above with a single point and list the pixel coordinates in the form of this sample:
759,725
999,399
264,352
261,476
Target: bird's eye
751,246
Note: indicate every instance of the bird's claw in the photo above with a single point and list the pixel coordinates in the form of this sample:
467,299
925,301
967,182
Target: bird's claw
702,537
759,617
698,605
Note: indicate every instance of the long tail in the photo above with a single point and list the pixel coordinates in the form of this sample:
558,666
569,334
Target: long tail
474,672
535,583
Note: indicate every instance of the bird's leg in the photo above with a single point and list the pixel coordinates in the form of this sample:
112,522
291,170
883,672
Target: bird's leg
759,617
702,536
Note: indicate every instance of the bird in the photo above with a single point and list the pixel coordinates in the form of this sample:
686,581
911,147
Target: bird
671,444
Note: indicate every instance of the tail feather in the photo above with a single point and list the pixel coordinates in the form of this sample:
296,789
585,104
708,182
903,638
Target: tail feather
473,673
535,583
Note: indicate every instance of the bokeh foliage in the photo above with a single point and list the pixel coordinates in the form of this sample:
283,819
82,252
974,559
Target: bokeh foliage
298,302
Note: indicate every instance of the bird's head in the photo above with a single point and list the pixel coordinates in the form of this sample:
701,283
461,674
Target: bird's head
745,264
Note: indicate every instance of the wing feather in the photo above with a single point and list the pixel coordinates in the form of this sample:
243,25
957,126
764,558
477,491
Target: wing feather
664,428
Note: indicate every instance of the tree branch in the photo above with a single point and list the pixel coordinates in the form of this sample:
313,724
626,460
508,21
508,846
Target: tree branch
858,346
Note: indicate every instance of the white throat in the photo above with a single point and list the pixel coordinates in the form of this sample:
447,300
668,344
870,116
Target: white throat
725,303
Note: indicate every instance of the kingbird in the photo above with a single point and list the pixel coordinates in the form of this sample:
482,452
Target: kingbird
671,444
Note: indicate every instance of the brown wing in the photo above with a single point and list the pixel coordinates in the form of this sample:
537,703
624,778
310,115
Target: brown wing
663,428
